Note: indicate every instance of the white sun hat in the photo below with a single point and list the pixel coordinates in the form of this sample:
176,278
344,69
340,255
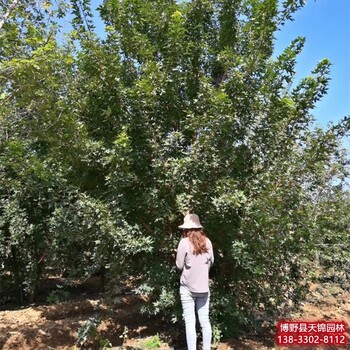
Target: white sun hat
191,221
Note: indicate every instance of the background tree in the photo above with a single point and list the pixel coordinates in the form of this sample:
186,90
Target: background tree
32,84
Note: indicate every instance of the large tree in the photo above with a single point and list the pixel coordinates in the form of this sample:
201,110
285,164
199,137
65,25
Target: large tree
107,142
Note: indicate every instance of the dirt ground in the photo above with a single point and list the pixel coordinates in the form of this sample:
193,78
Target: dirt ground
43,326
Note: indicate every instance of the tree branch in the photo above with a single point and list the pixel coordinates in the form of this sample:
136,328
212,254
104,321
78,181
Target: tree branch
5,17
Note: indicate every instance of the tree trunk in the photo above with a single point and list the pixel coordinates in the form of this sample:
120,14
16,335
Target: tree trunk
103,278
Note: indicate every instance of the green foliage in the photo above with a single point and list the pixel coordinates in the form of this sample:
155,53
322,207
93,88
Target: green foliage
58,295
216,335
152,343
105,344
87,333
332,254
106,142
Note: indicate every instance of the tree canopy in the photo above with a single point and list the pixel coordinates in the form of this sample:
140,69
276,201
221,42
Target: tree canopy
106,142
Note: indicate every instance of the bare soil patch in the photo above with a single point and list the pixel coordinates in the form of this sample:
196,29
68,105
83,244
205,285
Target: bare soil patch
42,326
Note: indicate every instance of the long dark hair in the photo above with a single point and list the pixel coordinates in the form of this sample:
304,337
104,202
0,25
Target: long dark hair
198,239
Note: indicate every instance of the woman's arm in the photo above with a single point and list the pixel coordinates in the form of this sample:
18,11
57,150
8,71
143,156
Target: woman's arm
211,252
180,255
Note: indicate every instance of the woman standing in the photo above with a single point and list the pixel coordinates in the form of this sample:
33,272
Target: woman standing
194,258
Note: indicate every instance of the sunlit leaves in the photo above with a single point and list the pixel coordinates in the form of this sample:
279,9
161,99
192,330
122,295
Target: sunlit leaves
106,142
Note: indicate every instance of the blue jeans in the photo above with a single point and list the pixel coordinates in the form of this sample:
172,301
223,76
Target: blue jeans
200,301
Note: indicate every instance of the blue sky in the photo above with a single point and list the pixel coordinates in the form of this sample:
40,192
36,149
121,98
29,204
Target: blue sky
326,26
